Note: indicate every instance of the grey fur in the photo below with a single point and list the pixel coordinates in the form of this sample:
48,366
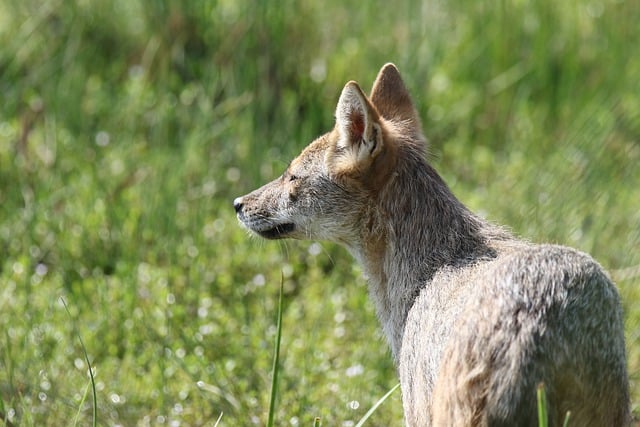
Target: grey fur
475,317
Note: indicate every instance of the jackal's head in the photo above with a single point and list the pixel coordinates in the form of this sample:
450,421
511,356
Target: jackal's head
329,191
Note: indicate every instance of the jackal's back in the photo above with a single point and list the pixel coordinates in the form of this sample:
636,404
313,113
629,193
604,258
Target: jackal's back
534,314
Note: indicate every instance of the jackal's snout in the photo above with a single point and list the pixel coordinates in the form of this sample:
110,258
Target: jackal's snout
238,204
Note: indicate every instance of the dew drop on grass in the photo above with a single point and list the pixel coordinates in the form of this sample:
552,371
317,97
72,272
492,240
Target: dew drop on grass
192,251
144,273
171,298
17,268
315,249
102,138
206,329
259,280
354,404
202,312
35,251
287,271
78,363
355,370
337,298
117,167
41,269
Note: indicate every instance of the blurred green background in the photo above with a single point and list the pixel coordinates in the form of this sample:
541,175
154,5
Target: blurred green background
127,127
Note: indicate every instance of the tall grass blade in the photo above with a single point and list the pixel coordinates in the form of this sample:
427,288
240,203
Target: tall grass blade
543,419
84,398
375,406
566,419
276,357
218,420
86,358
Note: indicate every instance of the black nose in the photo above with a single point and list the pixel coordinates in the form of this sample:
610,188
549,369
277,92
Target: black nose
237,204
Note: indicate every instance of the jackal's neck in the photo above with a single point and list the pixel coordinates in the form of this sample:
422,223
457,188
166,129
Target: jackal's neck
414,228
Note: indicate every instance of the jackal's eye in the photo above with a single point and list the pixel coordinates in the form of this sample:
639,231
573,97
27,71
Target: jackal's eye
287,176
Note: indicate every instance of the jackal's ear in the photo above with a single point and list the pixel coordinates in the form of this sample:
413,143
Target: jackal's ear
357,122
391,98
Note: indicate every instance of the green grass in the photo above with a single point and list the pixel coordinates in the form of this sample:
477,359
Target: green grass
543,416
543,411
128,127
94,418
275,371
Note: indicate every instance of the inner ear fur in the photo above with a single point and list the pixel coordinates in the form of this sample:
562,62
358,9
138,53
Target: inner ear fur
358,123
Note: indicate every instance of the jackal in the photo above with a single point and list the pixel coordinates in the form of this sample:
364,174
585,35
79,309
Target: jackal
475,317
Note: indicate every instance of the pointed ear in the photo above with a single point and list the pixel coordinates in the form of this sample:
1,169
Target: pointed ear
391,98
357,123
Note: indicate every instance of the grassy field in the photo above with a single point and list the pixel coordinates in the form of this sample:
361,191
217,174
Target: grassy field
127,127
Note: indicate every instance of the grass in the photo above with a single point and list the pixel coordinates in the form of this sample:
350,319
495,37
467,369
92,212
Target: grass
94,418
370,412
276,359
128,127
543,404
543,416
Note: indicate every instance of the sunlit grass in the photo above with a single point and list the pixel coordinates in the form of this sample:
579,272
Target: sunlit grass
128,127
94,418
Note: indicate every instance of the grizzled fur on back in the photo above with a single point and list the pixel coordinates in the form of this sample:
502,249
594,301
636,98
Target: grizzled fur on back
475,317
